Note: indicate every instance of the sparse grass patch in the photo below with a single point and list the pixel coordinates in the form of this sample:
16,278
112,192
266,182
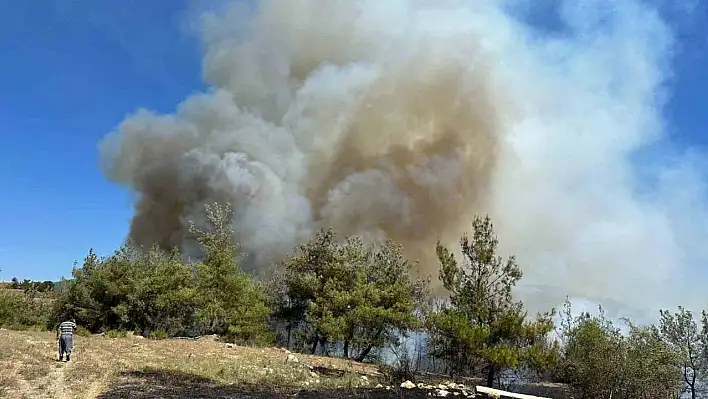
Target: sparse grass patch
34,369
82,332
158,335
116,334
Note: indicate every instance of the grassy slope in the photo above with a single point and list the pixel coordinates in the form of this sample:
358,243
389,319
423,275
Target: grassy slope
139,368
132,367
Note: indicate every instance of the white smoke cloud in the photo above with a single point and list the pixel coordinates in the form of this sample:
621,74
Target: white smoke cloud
406,118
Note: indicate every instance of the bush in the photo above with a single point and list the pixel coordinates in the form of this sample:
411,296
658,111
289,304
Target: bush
82,332
116,334
158,335
151,290
22,311
599,361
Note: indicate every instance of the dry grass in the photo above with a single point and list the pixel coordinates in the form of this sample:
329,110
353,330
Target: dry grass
112,368
130,367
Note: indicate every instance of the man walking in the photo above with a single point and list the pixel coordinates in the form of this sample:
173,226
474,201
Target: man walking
65,336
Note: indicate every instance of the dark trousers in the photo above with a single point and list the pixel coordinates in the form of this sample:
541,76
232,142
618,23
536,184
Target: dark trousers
66,342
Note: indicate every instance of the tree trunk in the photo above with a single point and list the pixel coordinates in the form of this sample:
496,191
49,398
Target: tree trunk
346,349
290,330
364,353
368,349
325,347
491,373
314,344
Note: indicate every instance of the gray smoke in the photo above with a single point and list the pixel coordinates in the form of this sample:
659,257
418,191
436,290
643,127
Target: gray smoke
404,119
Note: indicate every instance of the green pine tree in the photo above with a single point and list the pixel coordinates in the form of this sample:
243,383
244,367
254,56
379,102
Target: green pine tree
360,296
483,326
230,302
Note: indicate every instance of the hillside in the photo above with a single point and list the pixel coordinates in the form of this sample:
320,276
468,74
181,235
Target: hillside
139,368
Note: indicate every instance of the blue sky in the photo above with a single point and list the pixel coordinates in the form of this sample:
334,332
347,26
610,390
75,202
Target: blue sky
72,70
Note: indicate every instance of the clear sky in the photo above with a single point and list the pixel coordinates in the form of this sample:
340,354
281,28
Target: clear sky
72,70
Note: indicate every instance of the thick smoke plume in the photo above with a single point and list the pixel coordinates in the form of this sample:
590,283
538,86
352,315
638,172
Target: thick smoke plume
404,119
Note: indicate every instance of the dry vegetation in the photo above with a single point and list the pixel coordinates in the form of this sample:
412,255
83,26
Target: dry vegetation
131,367
103,367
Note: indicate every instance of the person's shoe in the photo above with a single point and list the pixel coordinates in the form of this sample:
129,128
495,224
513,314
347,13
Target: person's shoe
67,358
61,359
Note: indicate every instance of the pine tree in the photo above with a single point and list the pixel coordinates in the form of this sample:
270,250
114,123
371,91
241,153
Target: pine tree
362,297
482,326
230,302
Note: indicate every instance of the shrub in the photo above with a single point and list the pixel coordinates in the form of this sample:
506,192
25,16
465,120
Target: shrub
116,334
82,332
22,311
158,335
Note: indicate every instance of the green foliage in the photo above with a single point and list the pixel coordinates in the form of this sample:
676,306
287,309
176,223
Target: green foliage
350,293
482,325
229,302
116,334
130,290
598,360
82,332
158,335
153,292
22,311
681,332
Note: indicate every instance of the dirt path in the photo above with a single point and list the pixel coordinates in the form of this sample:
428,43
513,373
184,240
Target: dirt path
56,382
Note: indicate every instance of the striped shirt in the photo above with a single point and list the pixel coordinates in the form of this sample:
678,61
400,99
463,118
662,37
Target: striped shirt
67,328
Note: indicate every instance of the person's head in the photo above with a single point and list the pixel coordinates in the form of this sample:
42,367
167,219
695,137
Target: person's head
73,320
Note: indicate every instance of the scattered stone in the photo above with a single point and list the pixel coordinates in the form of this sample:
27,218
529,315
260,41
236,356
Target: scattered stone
441,393
229,345
379,386
292,359
408,385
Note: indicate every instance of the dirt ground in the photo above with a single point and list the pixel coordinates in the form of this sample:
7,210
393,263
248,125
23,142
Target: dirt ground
133,367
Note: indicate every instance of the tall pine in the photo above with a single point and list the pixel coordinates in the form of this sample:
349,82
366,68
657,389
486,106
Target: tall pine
483,327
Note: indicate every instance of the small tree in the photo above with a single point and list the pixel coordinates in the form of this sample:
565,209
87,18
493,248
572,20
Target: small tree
651,370
599,361
362,297
369,297
680,331
230,302
303,278
483,325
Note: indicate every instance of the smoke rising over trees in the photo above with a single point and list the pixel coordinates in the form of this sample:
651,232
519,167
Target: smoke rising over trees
404,119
